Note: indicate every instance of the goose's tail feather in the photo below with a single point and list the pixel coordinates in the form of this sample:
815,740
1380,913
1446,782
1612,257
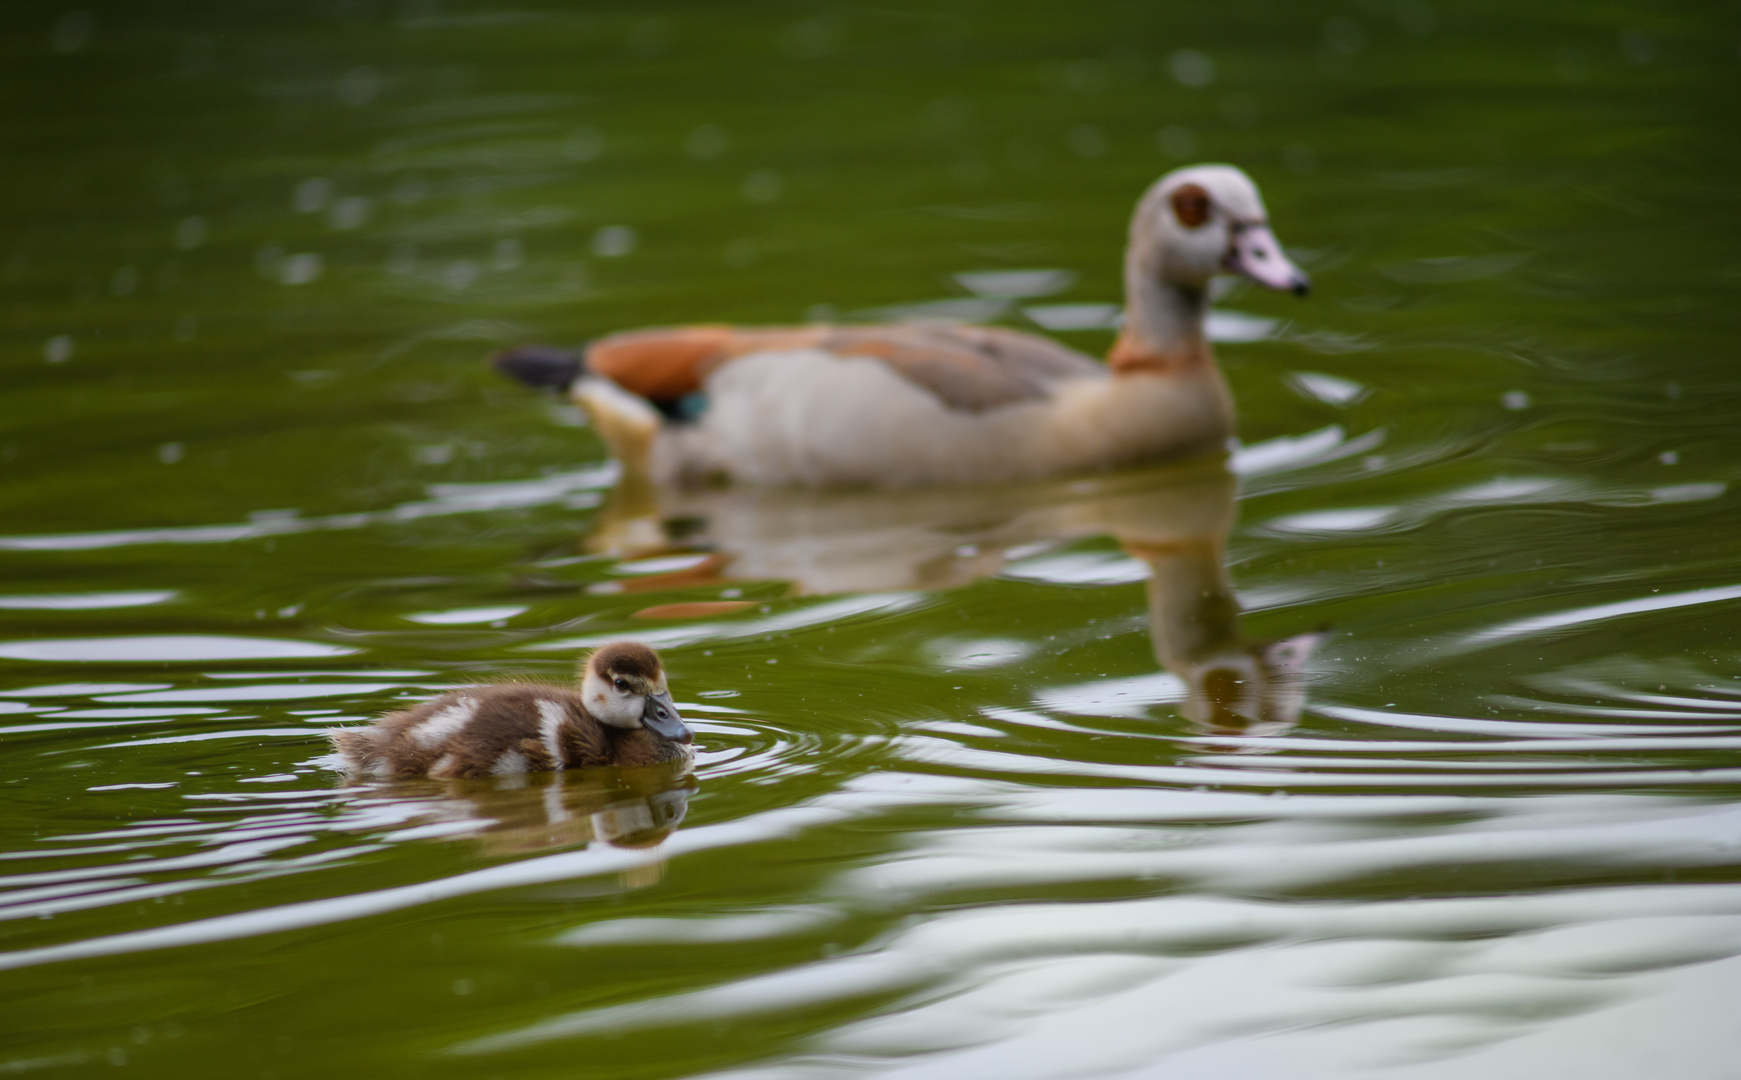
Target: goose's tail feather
626,421
540,366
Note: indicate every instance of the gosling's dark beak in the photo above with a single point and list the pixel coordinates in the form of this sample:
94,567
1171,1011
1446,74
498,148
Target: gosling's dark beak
660,715
1257,254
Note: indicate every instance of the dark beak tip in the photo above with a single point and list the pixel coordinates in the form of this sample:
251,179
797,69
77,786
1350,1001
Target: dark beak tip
1302,288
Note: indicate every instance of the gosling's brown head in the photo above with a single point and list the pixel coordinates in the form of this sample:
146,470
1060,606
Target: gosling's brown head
624,687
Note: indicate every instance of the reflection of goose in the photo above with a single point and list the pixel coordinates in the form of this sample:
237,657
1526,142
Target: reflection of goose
621,715
1175,520
928,403
1232,685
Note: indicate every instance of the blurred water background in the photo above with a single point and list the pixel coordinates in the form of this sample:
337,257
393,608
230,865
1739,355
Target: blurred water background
992,784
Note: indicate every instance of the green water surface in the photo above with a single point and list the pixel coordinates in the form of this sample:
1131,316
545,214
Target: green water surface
1403,745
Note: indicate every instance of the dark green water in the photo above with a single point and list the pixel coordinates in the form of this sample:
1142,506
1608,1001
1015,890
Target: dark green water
978,796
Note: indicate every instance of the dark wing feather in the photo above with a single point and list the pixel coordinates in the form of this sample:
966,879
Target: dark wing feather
969,368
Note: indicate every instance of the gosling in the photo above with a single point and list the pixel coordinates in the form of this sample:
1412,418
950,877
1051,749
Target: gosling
621,715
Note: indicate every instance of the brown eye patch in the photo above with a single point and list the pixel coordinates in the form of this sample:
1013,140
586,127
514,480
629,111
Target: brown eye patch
1191,206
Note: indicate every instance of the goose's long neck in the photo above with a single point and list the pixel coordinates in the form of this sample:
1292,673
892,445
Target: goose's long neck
1163,321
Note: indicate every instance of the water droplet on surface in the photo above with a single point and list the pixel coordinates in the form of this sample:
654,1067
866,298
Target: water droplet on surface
359,86
1344,35
814,38
72,32
1637,47
583,144
410,190
650,37
1191,68
301,269
740,253
763,186
1300,159
706,142
1087,77
191,232
1177,141
194,57
1241,109
1087,141
614,241
351,212
1416,17
461,273
311,195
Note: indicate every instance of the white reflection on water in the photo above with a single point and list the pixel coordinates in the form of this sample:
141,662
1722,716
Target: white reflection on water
1074,316
1217,962
1353,519
1537,625
1015,283
86,601
444,499
1298,451
82,689
859,798
467,616
754,926
831,612
1132,697
258,692
1330,389
167,648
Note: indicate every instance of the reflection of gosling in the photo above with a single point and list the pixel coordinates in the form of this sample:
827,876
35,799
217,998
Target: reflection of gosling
633,808
641,823
621,715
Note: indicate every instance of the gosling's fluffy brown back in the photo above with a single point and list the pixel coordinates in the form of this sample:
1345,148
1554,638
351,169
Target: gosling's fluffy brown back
503,729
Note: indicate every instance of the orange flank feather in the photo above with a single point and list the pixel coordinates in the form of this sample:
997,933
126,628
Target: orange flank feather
967,368
665,364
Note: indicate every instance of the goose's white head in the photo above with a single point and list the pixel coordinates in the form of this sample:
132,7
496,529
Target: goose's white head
1204,220
624,687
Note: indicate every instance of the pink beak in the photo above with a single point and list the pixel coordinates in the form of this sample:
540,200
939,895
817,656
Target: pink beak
1257,254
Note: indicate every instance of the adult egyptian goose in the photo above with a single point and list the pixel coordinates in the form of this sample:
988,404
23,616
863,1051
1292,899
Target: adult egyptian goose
621,715
930,403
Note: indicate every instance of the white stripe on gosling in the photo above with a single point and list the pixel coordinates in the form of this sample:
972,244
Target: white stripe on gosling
444,723
550,717
512,763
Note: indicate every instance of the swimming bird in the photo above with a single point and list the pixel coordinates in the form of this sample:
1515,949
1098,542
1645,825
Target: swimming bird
621,715
924,403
